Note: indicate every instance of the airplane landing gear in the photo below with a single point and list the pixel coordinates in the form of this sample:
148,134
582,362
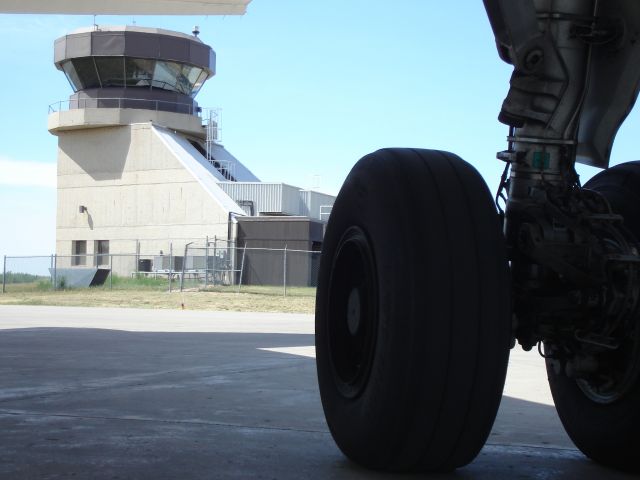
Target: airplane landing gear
413,312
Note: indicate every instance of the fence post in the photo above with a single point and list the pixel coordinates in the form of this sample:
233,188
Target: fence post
137,258
206,263
110,271
285,270
184,261
170,265
4,275
242,267
215,258
55,272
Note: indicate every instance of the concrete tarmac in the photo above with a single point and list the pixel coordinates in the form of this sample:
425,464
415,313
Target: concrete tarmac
157,394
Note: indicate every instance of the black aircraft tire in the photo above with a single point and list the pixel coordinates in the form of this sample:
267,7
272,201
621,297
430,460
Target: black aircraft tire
608,433
412,312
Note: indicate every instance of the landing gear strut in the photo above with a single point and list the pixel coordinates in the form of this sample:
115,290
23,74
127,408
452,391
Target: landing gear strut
419,299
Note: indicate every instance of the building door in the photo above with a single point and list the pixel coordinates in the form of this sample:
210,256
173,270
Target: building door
101,249
79,250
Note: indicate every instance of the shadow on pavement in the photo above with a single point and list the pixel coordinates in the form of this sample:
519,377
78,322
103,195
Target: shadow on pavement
112,404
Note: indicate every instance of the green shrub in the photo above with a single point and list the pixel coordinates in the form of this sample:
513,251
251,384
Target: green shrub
44,285
136,282
17,277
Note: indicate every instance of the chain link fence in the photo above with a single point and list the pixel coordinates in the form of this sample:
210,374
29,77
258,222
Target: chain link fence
251,269
205,266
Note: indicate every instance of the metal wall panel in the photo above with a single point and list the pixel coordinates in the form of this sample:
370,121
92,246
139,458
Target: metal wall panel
59,49
78,45
137,43
142,45
278,198
304,202
107,43
290,200
262,267
199,54
266,197
312,201
114,97
174,48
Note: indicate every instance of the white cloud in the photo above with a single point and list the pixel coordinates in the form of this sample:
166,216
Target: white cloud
27,173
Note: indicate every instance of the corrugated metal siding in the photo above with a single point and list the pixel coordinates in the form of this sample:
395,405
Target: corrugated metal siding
266,197
312,201
278,198
305,199
290,200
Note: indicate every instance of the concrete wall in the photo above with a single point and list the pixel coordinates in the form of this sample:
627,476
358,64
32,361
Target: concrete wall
134,189
82,118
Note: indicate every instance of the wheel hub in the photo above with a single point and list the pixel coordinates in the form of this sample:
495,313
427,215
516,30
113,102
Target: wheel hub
352,320
353,311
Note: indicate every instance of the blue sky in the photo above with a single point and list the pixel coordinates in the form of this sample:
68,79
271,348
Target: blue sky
306,88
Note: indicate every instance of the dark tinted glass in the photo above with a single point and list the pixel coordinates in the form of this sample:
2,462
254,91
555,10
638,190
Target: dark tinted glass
198,83
111,70
86,72
101,247
138,72
191,75
72,75
96,72
166,75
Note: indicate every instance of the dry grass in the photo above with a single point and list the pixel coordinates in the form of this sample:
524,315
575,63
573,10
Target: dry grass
256,300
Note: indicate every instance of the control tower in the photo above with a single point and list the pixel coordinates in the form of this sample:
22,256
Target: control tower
137,169
137,68
143,74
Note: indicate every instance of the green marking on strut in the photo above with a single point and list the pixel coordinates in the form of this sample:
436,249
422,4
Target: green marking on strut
541,160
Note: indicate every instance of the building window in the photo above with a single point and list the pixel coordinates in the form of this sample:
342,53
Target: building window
118,71
101,248
86,74
79,250
111,71
138,72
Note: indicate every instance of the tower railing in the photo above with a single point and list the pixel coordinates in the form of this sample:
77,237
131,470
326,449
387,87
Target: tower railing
211,122
135,103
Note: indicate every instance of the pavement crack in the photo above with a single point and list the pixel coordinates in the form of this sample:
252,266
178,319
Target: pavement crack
204,423
146,380
511,446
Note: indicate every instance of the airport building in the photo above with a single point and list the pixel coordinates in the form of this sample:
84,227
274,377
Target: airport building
139,162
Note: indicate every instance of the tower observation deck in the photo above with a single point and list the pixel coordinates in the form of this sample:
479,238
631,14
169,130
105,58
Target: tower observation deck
134,67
